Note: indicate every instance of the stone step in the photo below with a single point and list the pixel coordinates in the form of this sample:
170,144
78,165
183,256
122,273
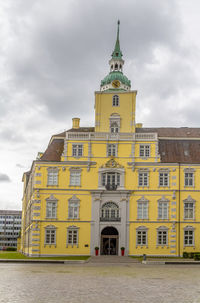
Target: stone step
112,259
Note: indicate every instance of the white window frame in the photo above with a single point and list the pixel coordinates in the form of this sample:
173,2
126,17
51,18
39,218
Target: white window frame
115,100
191,201
105,176
142,209
73,208
75,177
73,233
110,211
162,230
143,178
189,178
145,150
111,150
163,179
115,123
51,206
114,128
49,232
77,150
52,176
187,233
141,233
163,209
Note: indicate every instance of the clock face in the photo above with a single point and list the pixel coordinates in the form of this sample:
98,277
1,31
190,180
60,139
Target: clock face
116,83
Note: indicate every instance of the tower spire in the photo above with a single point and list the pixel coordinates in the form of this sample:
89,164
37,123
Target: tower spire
116,79
117,52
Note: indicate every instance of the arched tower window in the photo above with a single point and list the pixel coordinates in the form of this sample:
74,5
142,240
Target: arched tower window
115,100
110,212
116,66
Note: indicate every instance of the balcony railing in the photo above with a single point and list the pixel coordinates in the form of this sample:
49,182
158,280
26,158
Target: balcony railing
109,219
111,186
111,136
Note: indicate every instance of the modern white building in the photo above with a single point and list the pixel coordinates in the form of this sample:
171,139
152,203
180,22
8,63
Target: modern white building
10,227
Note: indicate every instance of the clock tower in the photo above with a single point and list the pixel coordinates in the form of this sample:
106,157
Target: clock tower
115,102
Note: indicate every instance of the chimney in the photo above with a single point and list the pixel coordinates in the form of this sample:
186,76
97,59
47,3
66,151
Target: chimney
139,125
75,122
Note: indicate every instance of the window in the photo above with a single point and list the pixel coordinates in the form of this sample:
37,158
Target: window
162,236
143,179
110,212
77,150
72,236
141,236
189,179
189,236
162,210
115,100
188,210
73,208
50,235
114,127
142,209
112,150
52,178
51,209
110,179
164,179
75,177
145,150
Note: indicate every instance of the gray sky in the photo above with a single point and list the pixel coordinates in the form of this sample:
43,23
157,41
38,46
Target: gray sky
54,53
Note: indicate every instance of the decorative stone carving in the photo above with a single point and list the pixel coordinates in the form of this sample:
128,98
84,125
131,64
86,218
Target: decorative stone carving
112,164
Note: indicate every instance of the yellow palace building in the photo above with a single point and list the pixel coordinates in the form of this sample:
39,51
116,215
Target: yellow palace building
114,185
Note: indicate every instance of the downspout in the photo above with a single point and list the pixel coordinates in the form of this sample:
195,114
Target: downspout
179,215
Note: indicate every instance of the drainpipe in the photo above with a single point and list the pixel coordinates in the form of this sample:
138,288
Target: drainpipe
179,215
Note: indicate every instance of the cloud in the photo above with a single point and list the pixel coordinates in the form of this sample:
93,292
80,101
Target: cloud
4,178
54,55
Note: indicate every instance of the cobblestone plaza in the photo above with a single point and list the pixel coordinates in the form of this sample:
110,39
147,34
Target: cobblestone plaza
95,283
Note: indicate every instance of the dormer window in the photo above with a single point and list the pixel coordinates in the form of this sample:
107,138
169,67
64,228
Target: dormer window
115,100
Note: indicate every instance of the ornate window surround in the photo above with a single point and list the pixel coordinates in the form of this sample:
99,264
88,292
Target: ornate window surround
50,228
52,199
111,170
143,201
141,229
189,228
163,200
162,228
189,199
69,229
110,206
76,201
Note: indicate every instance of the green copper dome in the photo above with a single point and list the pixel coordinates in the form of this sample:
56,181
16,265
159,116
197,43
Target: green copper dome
116,75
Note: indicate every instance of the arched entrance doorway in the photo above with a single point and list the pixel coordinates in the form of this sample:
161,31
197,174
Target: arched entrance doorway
109,241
